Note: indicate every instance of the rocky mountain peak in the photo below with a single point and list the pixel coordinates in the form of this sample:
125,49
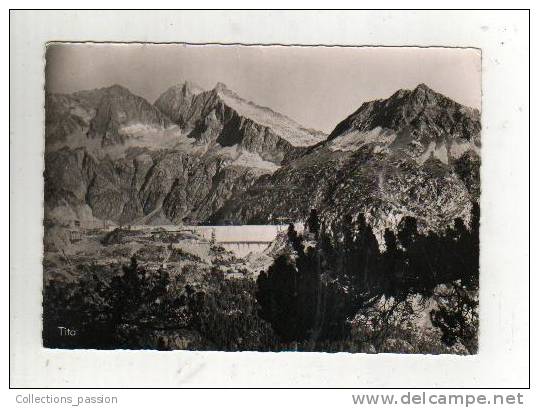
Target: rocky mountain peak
413,100
181,90
222,91
423,88
424,96
221,87
117,89
95,95
220,116
188,88
177,101
118,108
413,120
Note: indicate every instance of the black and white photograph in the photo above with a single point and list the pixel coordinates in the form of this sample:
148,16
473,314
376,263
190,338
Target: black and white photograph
262,198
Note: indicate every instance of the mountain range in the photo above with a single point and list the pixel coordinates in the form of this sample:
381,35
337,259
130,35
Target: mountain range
210,156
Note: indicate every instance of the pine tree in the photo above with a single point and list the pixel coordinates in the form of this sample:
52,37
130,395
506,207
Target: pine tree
277,293
313,223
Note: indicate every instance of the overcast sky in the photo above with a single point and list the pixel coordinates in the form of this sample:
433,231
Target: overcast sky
316,86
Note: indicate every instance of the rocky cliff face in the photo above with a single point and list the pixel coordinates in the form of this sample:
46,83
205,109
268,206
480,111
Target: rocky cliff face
107,115
419,123
110,155
416,153
148,188
178,103
221,117
117,110
67,117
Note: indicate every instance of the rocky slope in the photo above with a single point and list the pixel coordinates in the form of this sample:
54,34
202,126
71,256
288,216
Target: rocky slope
177,102
416,153
220,159
419,123
149,188
221,117
108,116
111,155
67,117
118,110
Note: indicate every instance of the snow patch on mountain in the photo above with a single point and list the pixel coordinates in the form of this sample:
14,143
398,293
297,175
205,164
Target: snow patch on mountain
443,153
353,139
457,149
440,153
285,127
136,135
427,154
249,159
434,150
142,136
237,156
